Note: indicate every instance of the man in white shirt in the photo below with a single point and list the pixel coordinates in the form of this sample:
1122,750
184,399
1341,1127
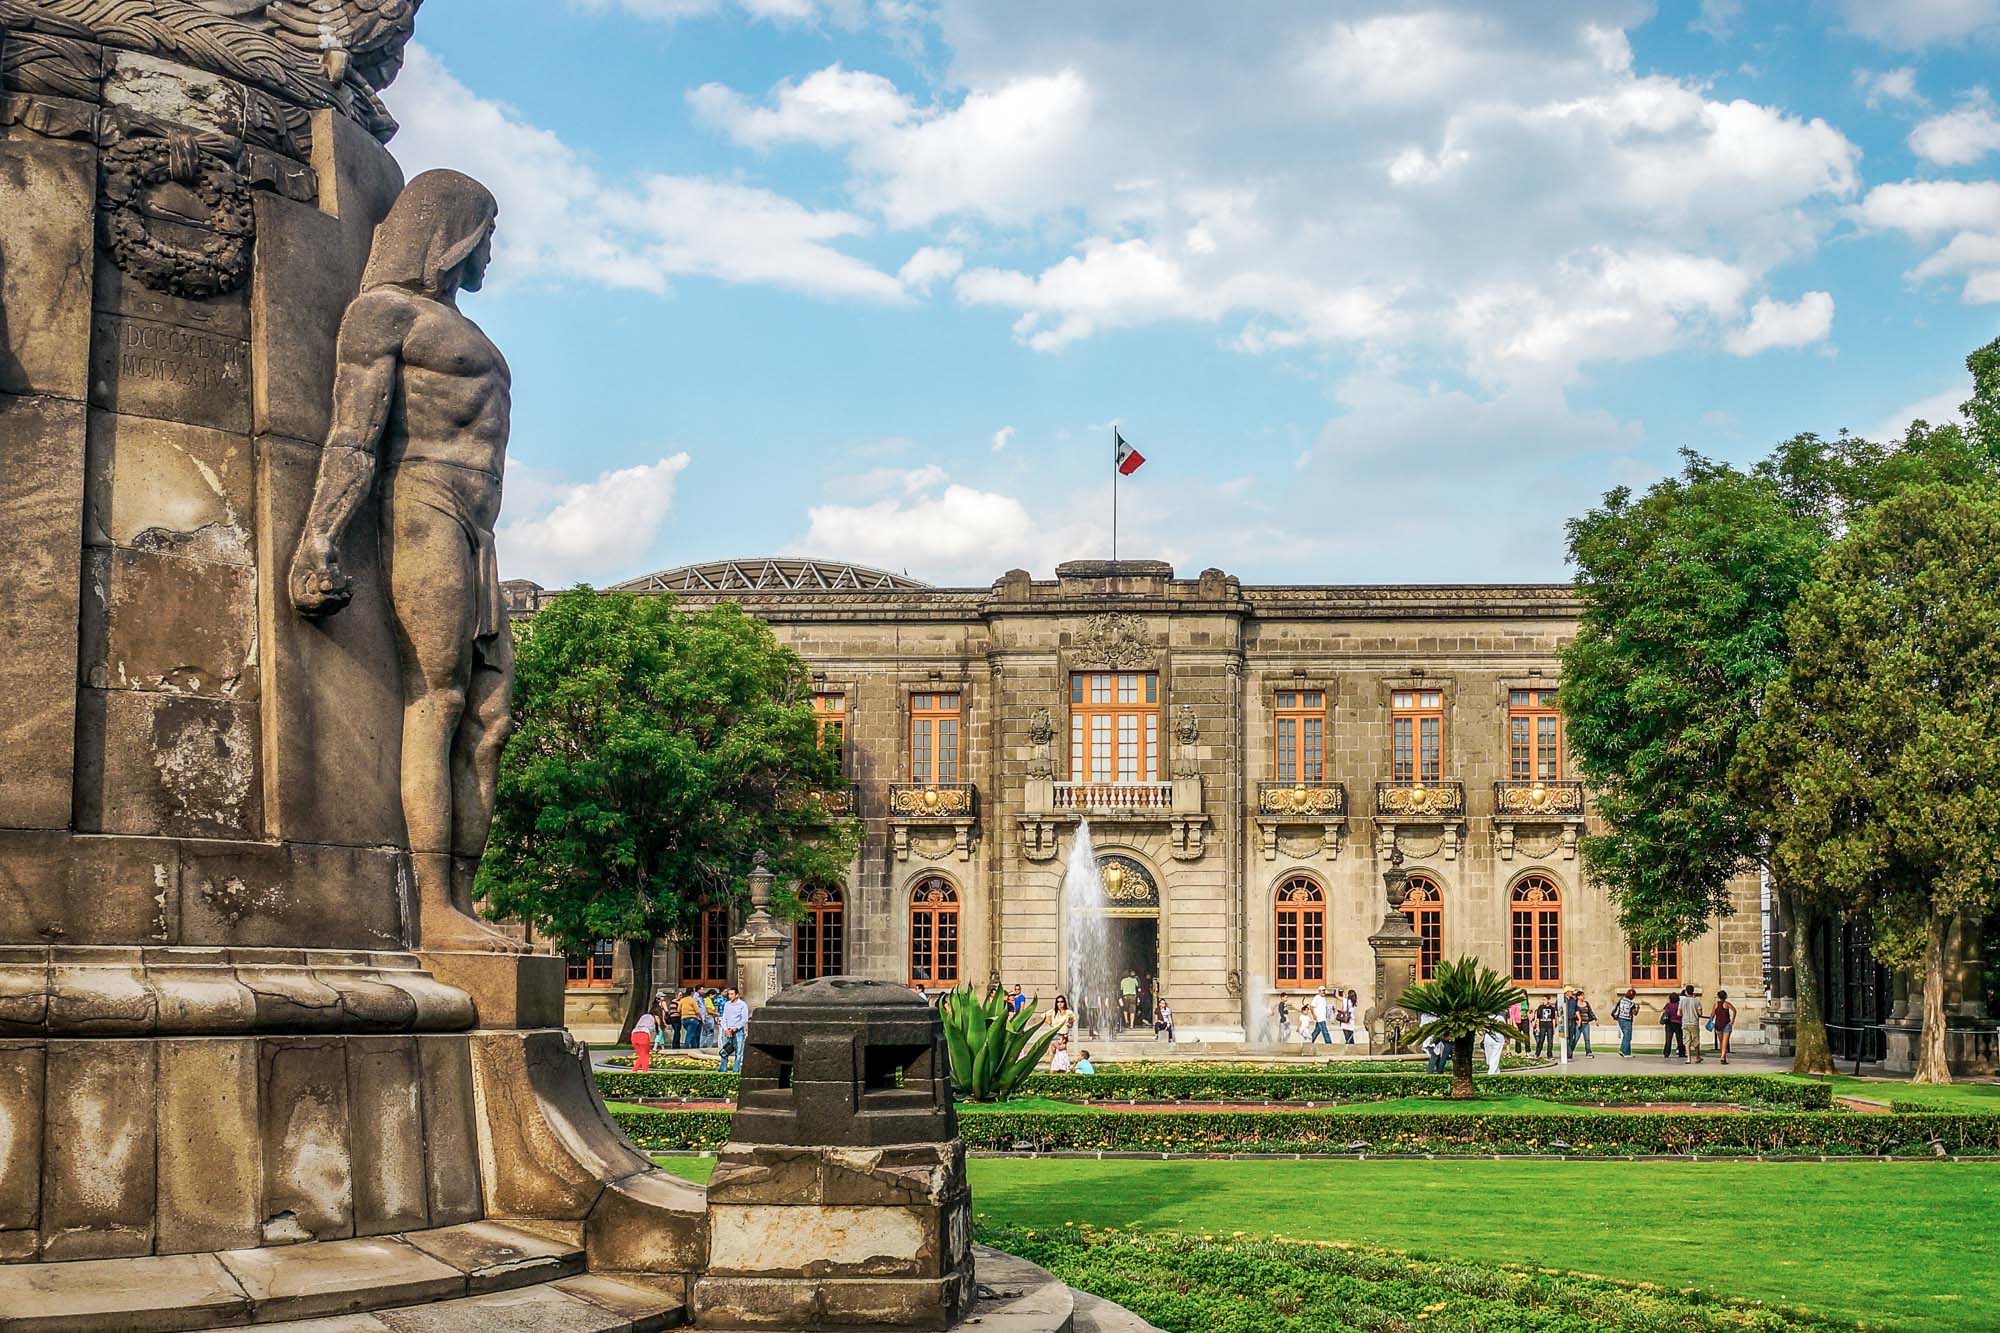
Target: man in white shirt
735,1018
1320,1007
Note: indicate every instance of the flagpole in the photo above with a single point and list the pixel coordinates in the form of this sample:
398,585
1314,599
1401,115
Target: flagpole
1114,500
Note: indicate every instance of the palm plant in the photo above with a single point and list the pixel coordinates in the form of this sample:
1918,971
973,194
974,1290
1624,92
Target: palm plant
1466,1000
992,1053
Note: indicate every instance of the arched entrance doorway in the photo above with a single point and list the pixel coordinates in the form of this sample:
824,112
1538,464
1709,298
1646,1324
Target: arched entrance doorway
1132,912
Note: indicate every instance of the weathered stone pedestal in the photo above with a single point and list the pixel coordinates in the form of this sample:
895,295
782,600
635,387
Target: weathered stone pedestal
1397,948
841,1200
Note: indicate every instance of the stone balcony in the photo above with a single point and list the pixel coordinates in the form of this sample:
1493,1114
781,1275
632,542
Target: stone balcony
1047,805
1404,810
933,818
1548,810
840,801
1307,818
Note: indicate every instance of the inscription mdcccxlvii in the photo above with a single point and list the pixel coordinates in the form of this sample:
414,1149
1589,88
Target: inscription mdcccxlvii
185,357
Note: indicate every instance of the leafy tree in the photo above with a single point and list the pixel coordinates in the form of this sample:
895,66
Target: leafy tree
1882,739
1685,590
655,752
1466,1000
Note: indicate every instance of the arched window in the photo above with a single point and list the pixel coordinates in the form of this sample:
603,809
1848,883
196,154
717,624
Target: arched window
818,937
705,949
934,934
1424,905
1537,931
1301,933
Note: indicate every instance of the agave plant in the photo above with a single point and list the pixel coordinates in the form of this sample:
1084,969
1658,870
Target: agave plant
992,1053
1466,999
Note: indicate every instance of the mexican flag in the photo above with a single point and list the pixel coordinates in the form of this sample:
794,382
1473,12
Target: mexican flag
1127,459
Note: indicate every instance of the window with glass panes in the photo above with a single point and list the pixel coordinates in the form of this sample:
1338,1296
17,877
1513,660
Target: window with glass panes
1114,726
1416,735
817,936
592,966
1656,965
935,724
934,934
1534,736
1423,904
1536,936
830,715
1301,736
1300,933
705,949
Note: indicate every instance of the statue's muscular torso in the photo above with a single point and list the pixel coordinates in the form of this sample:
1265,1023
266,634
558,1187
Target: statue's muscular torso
455,392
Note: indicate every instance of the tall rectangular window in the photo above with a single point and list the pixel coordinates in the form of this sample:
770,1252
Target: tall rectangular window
1534,736
1416,736
592,966
705,949
1656,965
1114,726
1301,736
830,716
935,724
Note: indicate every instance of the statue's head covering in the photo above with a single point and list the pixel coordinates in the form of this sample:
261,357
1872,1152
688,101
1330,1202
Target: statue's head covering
436,223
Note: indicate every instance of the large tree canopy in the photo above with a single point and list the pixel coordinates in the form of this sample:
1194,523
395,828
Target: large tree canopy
1882,739
656,752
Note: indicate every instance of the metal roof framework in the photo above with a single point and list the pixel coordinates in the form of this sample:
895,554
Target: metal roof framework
772,574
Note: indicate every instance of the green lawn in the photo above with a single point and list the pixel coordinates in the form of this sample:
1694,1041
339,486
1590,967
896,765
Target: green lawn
1966,1098
1903,1245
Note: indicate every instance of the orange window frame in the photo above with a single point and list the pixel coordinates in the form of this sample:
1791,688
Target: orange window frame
937,726
830,718
1298,934
1534,936
1534,736
704,957
1114,726
1663,970
1423,904
593,966
934,934
1416,736
1298,736
819,937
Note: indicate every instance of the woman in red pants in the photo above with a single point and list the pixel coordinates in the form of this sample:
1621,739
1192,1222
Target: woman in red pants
643,1033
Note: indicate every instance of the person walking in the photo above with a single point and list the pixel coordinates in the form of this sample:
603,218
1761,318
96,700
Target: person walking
1670,1024
1350,1018
1306,1024
1517,1015
1691,1016
1724,1018
1062,1019
1321,1008
1163,1021
1436,1051
1494,1045
1128,997
1545,1028
734,1019
1623,1014
1284,1019
1581,1016
711,1010
643,1032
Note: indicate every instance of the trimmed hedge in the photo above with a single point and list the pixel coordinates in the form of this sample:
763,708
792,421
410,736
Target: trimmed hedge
1809,1134
1588,1089
1259,1286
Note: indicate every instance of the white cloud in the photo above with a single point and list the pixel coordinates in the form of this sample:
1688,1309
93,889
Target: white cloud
558,219
1938,409
930,265
561,531
1925,210
846,13
940,529
1002,438
1883,86
1774,324
1959,137
1718,18
1909,24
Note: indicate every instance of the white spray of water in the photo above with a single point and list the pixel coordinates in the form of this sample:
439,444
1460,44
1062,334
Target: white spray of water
1260,1013
1087,933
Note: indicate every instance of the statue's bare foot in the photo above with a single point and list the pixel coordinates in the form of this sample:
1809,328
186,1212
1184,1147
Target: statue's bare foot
445,929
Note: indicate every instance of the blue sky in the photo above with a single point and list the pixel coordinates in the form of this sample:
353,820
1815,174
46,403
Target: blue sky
1384,292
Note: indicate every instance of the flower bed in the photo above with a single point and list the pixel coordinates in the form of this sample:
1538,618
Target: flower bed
1186,1283
1306,1086
1779,1134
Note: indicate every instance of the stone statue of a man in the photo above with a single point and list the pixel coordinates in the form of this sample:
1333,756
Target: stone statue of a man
422,397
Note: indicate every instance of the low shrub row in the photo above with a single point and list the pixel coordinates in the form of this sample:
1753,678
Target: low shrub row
1305,1086
1183,1284
1796,1134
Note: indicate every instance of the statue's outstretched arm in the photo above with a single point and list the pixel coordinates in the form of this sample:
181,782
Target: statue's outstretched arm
364,386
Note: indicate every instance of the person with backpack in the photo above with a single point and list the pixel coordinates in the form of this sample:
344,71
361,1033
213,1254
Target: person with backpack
1581,1016
1723,1017
1624,1013
1350,1023
1670,1023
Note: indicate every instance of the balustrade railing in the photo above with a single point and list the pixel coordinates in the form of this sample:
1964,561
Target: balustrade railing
1419,800
933,800
1551,799
1109,796
1308,800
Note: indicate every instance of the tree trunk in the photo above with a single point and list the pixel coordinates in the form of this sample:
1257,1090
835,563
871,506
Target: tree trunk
641,953
1810,1052
1932,1065
1461,1070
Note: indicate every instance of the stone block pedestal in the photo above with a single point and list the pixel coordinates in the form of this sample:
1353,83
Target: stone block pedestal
814,1238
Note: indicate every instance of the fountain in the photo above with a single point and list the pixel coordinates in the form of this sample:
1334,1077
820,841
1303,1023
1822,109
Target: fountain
1087,936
